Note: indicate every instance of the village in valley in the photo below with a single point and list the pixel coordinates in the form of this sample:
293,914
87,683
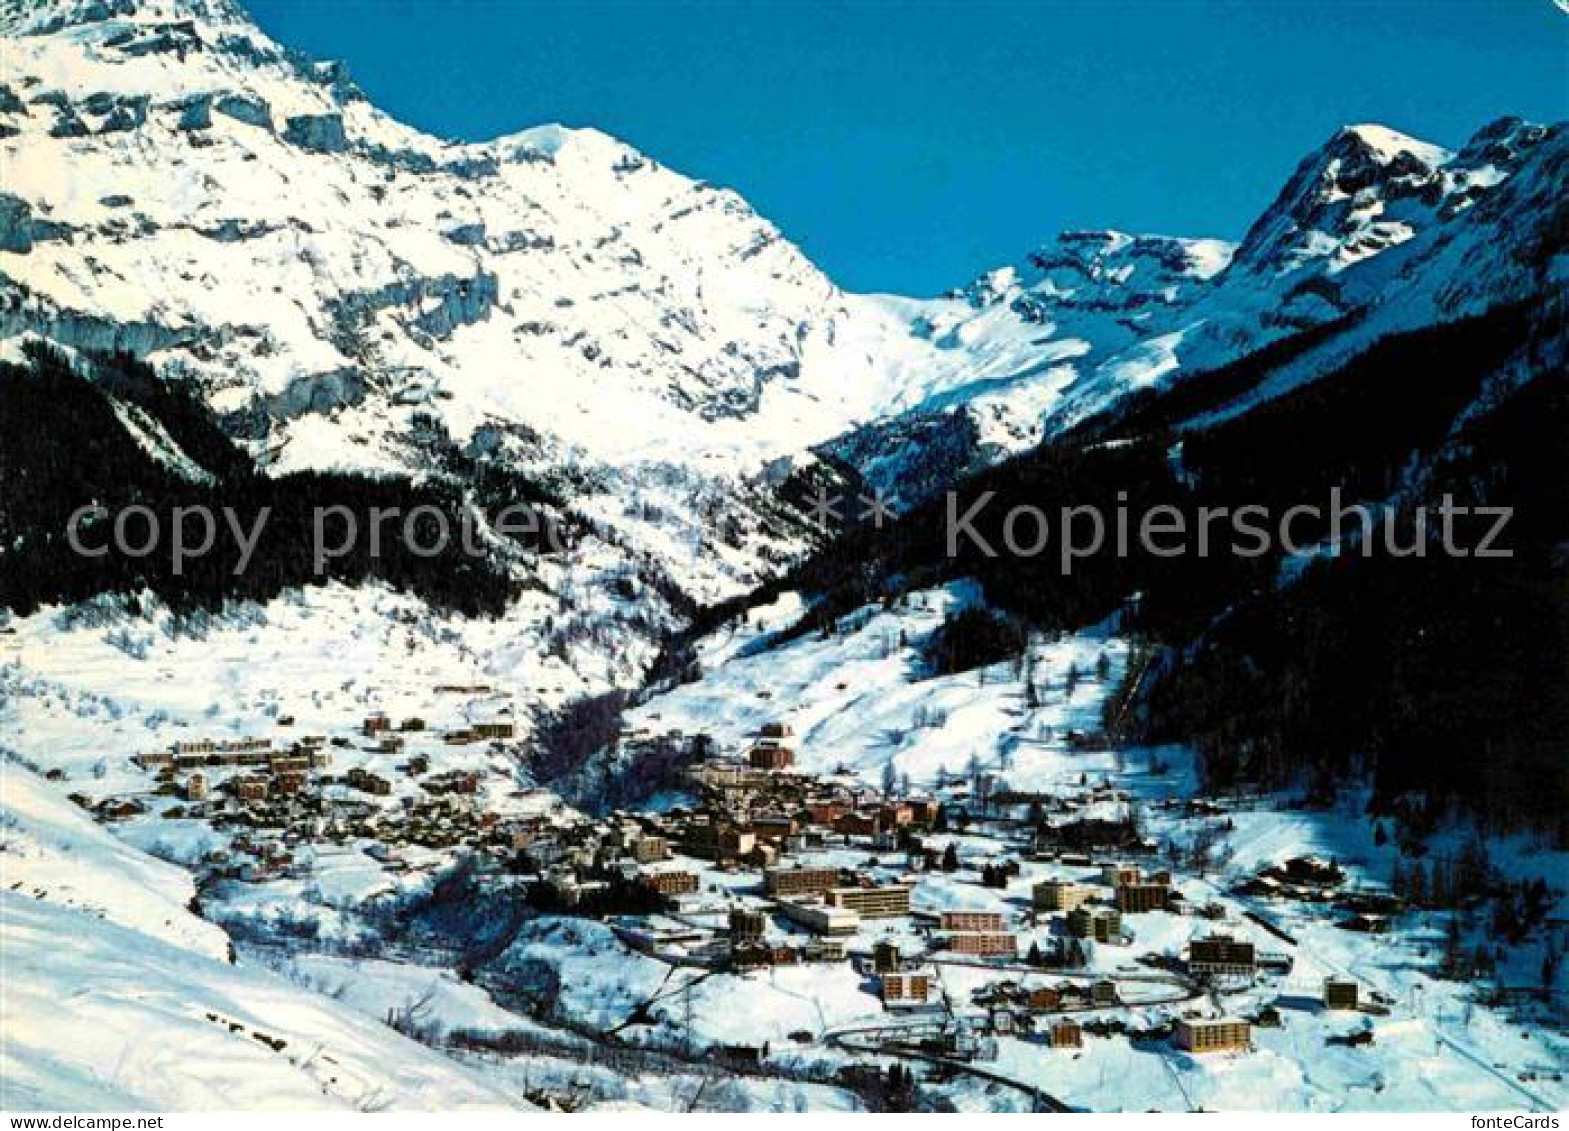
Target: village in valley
996,906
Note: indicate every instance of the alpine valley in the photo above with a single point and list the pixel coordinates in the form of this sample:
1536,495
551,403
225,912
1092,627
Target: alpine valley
732,783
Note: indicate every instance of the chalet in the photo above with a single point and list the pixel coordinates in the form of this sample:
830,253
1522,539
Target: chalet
825,813
1065,1034
982,944
120,809
895,815
747,923
799,881
1102,924
858,824
1312,870
1366,924
1340,993
1116,875
772,826
1138,898
823,950
196,787
375,724
907,989
732,843
670,882
648,849
770,757
1043,998
885,956
820,918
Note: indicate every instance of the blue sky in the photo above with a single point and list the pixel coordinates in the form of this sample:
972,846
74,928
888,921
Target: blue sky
909,146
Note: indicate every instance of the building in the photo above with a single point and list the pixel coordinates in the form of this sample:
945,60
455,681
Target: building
733,843
196,787
1340,993
823,950
367,782
747,923
1222,956
494,729
671,882
1137,898
887,902
991,921
1059,895
896,814
858,824
825,813
820,918
1103,992
289,783
1043,998
1223,1034
885,956
770,756
906,988
1102,924
647,849
773,827
982,944
798,881
251,787
776,730
1065,1034
376,724
1115,875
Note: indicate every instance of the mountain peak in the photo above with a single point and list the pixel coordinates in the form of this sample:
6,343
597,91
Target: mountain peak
1387,145
1352,197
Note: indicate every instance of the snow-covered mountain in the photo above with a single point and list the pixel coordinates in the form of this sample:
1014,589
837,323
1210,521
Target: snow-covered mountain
182,186
1374,227
247,217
